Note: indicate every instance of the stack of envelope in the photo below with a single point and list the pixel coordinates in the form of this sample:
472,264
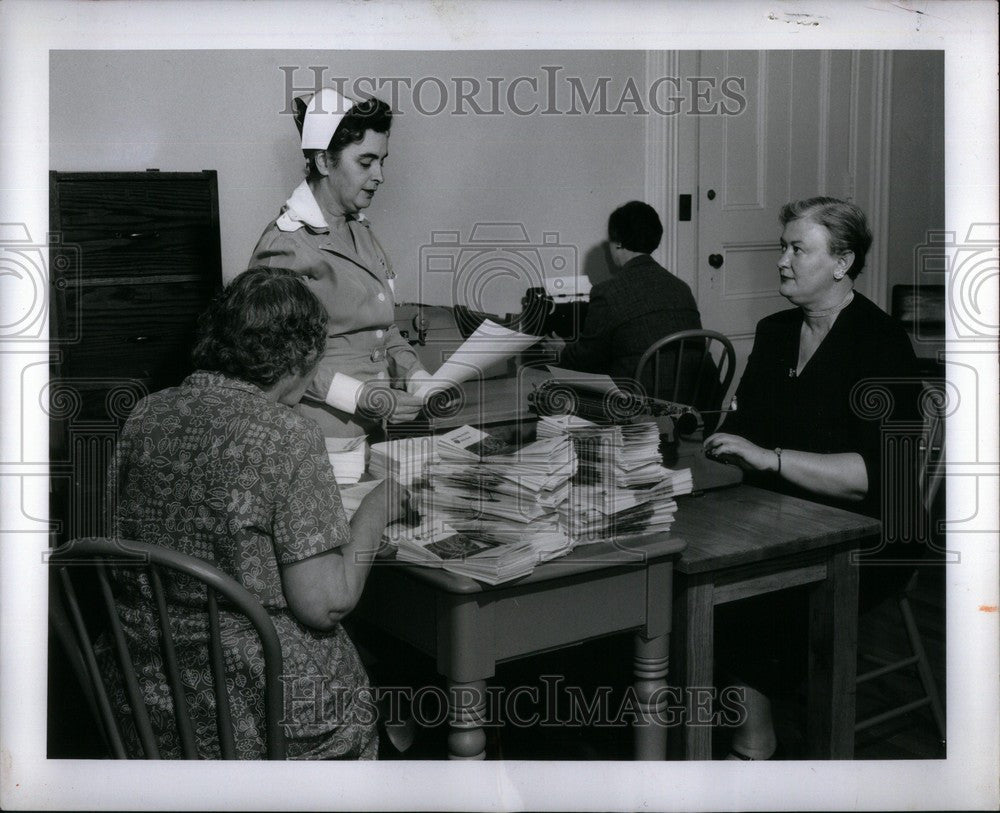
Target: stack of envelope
497,494
347,456
436,544
492,512
352,494
621,488
405,459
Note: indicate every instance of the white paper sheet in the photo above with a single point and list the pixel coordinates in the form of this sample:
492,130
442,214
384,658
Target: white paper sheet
574,287
489,344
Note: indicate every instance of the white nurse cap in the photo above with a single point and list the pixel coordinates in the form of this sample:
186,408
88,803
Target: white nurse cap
323,113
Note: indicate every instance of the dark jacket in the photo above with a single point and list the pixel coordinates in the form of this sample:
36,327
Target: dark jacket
823,409
643,302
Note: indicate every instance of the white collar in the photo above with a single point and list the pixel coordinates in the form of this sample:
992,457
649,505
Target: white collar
302,208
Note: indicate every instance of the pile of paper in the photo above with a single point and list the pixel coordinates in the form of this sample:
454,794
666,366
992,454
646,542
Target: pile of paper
499,495
405,459
593,514
436,544
492,512
347,456
622,455
621,488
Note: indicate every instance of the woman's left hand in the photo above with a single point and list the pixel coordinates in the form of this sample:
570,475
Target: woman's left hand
741,452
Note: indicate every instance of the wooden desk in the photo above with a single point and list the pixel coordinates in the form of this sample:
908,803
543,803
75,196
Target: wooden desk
468,627
744,542
487,403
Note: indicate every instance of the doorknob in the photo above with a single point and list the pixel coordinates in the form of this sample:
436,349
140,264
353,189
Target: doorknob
715,260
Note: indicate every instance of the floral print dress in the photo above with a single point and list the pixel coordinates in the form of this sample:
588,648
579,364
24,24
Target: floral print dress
214,469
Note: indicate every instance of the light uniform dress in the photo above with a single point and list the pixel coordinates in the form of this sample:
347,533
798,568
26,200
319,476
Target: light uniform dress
354,281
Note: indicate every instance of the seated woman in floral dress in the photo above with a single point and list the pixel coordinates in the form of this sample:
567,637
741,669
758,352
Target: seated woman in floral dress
223,469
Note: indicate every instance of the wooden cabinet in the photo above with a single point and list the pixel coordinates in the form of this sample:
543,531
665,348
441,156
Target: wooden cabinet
134,261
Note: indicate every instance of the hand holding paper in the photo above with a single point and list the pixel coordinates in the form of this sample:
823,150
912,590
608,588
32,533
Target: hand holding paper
488,345
378,400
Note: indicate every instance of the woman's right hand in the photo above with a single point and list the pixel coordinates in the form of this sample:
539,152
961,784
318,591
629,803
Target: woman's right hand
396,499
380,401
740,451
324,588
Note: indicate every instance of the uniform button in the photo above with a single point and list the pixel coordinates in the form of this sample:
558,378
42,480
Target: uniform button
381,297
377,354
379,334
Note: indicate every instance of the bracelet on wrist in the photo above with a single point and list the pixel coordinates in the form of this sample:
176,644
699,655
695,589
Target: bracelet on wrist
777,451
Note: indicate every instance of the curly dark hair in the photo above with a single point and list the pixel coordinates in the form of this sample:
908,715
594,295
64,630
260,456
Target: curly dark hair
370,114
636,226
846,223
265,324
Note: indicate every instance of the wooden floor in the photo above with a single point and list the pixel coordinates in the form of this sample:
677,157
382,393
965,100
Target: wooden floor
881,633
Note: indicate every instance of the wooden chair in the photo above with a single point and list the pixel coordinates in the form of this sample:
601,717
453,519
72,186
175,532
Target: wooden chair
697,378
930,696
95,555
931,477
921,311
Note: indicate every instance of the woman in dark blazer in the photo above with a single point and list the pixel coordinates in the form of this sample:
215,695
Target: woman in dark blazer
804,425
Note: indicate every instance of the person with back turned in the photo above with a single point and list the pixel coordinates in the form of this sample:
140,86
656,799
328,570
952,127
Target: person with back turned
641,303
222,468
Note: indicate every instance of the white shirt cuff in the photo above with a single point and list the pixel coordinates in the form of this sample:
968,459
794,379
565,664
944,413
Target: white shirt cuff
343,393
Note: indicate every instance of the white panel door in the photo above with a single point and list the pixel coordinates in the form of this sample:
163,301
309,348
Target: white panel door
814,124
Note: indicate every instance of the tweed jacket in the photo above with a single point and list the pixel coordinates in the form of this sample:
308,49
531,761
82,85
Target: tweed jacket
642,303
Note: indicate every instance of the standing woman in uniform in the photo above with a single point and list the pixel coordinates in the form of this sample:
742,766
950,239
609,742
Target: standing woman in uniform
368,370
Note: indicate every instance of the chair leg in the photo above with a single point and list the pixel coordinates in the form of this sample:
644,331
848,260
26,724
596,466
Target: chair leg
923,666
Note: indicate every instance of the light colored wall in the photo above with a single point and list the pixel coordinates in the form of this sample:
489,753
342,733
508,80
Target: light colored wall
916,194
563,174
187,111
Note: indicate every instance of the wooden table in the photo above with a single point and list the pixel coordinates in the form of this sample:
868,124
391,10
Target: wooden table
744,542
468,627
492,404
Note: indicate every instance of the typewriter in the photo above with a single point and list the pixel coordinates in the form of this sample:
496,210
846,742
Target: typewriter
560,307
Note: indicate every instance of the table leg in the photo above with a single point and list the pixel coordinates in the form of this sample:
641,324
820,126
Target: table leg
652,657
466,712
833,652
694,627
